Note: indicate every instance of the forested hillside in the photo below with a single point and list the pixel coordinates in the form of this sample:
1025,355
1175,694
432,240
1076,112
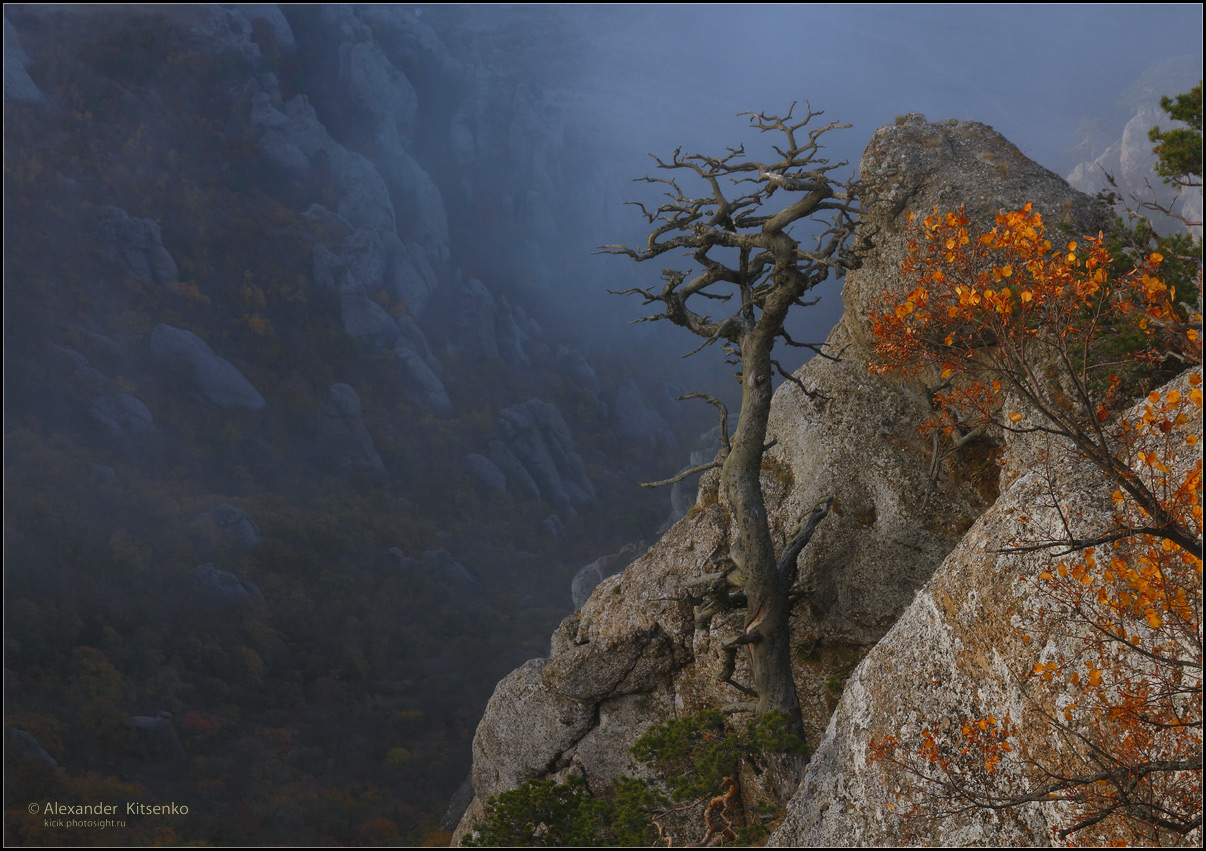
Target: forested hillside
303,445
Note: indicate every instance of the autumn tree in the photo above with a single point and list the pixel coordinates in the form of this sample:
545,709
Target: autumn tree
1022,336
750,265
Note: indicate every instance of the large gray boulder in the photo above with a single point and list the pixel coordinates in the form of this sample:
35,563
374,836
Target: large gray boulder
122,416
525,730
486,473
342,436
200,372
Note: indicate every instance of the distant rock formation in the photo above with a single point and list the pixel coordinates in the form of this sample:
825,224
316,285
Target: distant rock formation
342,437
221,589
537,436
18,85
235,524
1131,162
200,372
138,244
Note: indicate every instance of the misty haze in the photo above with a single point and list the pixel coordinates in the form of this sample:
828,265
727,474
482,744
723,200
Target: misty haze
322,413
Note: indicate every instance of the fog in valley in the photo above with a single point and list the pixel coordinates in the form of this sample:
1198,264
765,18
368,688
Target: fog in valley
317,403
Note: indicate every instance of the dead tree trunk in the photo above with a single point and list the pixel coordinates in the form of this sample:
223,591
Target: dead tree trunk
771,276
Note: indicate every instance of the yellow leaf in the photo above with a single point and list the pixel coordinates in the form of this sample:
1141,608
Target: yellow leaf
1118,497
1015,417
946,373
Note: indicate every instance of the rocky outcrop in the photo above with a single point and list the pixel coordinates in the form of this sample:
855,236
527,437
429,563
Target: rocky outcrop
538,438
138,244
342,437
200,372
1131,161
122,416
156,736
18,85
889,529
587,578
235,524
436,563
220,589
959,642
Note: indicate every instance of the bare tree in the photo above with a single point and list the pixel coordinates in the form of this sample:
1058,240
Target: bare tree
754,269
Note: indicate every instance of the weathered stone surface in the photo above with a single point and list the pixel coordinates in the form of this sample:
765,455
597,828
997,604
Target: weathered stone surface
611,666
524,731
199,371
291,135
538,437
957,641
342,436
1130,160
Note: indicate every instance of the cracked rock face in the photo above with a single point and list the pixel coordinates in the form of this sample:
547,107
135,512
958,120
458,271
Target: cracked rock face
635,639
524,731
958,643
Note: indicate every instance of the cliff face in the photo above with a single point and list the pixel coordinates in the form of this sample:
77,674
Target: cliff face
959,642
631,657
